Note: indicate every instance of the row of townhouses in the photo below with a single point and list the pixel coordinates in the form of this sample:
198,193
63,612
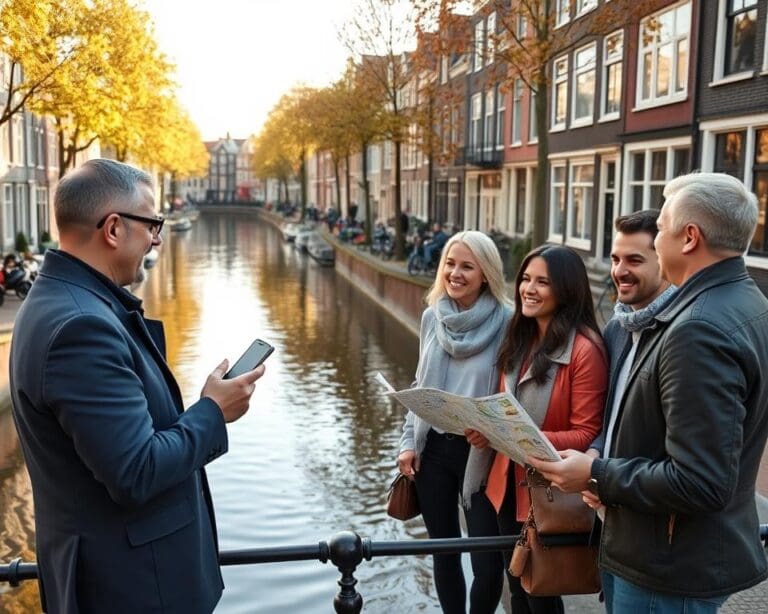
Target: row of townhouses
230,176
684,87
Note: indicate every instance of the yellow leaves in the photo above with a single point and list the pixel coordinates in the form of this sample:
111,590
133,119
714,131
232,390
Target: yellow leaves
95,66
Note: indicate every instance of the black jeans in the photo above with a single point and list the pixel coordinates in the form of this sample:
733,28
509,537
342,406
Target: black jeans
522,602
438,484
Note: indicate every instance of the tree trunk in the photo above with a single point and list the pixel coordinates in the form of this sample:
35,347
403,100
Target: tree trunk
431,205
366,192
539,226
303,179
348,186
399,239
337,176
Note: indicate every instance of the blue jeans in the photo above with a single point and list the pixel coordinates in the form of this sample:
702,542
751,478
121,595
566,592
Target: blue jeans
622,597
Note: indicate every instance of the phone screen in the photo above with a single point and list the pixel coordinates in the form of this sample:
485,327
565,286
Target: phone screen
252,357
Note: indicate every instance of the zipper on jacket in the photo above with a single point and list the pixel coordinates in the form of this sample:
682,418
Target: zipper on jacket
671,527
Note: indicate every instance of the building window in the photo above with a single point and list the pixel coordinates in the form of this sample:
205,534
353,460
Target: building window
17,134
741,32
500,108
584,66
584,6
444,69
760,173
729,153
455,116
650,170
557,202
560,99
517,112
521,27
580,197
490,39
563,12
474,128
533,127
488,125
479,44
522,190
613,54
663,58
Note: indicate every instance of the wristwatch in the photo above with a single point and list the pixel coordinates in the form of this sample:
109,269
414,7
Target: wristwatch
592,486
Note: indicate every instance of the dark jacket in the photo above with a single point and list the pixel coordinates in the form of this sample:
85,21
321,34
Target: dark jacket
123,516
680,483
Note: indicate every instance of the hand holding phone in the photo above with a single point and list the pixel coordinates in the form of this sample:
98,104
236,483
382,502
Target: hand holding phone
256,354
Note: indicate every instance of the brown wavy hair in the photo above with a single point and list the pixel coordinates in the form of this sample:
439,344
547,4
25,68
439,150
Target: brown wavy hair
570,285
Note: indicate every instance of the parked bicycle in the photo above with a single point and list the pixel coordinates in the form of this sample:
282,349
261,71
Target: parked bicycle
606,301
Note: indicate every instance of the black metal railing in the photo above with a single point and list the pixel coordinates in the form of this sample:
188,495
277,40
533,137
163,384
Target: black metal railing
485,158
346,550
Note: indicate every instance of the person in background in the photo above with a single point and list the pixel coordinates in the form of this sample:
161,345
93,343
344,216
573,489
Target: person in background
461,331
435,244
692,421
124,520
554,362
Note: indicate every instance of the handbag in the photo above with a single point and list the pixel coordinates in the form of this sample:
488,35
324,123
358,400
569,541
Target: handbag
402,502
554,555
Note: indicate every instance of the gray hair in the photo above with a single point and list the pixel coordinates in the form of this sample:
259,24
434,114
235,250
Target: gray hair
487,254
88,192
720,205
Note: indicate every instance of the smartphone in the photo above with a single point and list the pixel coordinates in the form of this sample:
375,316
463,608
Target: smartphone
251,358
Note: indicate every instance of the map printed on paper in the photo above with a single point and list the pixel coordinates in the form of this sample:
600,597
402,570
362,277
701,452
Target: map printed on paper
499,417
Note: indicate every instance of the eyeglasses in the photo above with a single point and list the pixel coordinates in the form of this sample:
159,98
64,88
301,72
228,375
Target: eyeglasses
155,223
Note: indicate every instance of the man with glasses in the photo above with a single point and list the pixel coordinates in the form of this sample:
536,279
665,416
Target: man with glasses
123,513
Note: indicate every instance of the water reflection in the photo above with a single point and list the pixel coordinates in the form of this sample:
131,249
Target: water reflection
316,452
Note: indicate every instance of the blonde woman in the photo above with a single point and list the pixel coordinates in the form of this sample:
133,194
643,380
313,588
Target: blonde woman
461,331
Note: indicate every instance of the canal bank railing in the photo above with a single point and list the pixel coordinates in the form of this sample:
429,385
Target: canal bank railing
346,550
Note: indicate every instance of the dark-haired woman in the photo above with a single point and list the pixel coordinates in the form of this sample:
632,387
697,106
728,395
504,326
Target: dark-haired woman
553,360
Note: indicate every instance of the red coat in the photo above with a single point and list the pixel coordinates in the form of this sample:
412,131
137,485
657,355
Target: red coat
573,419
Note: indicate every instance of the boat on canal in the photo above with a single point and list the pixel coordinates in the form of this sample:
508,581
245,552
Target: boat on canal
320,250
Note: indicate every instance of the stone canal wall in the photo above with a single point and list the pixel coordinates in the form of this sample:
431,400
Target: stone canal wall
386,283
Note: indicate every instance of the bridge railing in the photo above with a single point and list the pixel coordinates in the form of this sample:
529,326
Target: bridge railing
346,550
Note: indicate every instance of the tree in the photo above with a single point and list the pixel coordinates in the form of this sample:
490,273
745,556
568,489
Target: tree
42,36
529,57
378,36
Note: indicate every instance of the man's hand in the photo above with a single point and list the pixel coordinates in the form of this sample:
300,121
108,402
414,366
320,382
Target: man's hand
476,438
231,395
570,475
408,463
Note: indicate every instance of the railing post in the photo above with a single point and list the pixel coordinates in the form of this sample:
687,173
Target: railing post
347,550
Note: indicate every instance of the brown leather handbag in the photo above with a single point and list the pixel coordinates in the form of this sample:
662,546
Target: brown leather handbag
402,502
545,565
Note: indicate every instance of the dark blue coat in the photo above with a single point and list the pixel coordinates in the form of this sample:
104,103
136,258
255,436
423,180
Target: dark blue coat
123,515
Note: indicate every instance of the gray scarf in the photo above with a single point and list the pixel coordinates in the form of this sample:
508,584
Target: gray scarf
461,334
637,320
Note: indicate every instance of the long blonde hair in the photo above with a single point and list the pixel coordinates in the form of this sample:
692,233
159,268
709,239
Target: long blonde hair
487,254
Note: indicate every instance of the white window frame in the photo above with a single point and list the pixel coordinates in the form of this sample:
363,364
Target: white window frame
749,123
516,132
490,40
500,113
513,208
444,69
17,139
584,6
718,69
533,135
521,27
670,145
562,12
553,236
488,116
475,119
676,39
572,240
584,69
609,61
559,80
479,44
8,225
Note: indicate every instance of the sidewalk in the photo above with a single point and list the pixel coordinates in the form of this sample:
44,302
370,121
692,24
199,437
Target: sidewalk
8,310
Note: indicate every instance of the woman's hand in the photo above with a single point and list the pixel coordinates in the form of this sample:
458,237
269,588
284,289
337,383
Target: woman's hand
476,438
408,463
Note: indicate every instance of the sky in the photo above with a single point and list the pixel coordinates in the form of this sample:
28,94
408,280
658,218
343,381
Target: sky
235,58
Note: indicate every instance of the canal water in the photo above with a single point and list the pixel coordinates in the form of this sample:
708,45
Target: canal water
317,449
